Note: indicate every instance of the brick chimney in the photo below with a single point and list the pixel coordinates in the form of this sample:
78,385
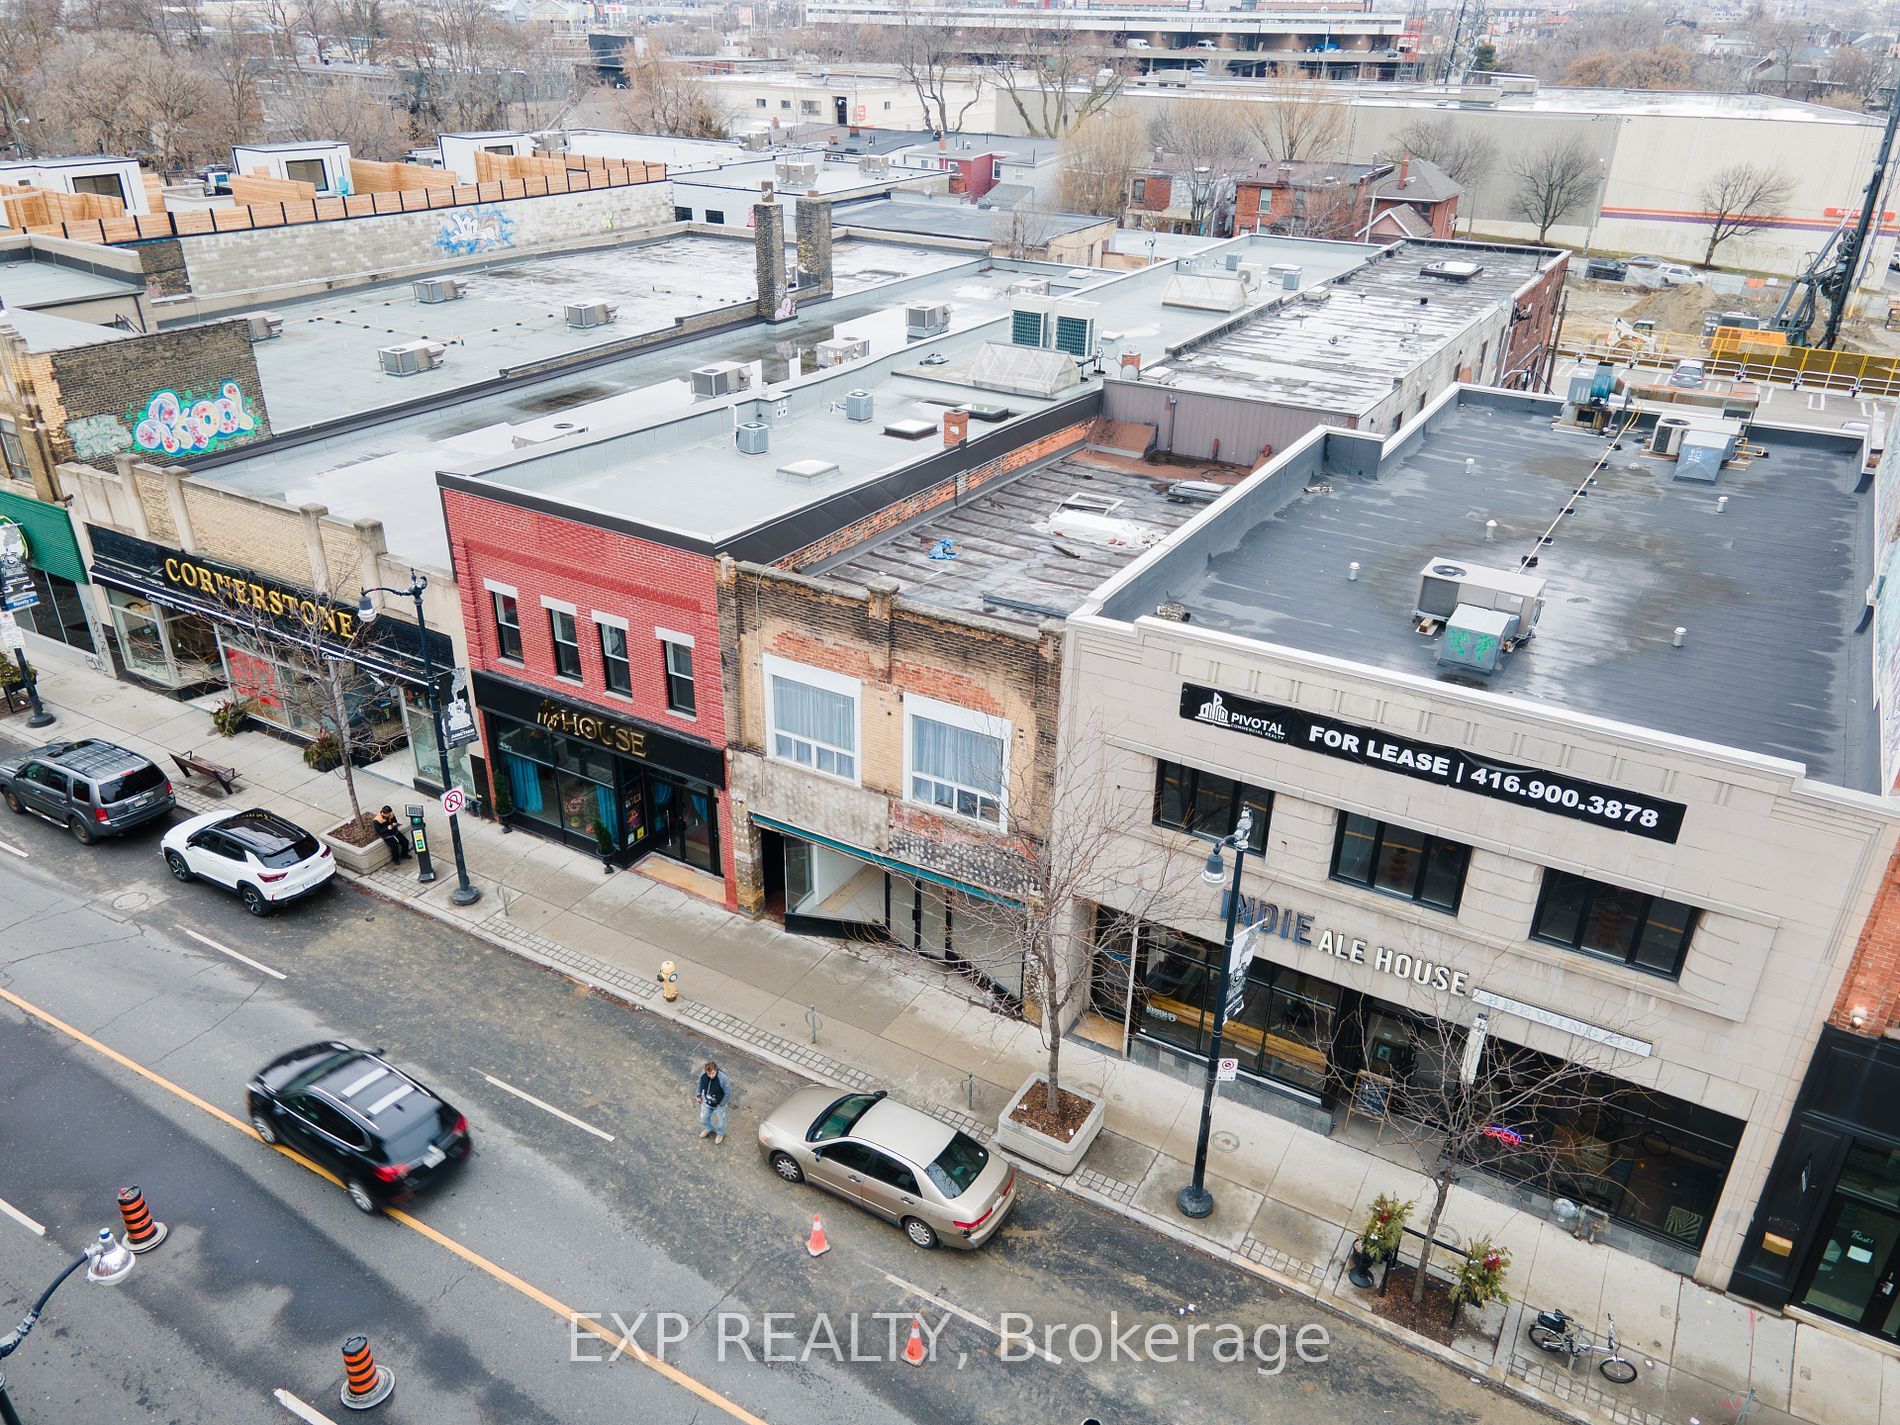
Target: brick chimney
1405,168
956,427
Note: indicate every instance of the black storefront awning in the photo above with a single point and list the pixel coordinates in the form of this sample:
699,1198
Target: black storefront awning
629,737
245,599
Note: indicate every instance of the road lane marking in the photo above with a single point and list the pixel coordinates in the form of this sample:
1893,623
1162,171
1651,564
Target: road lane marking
309,1414
568,1314
20,1217
13,850
548,1108
968,1316
227,950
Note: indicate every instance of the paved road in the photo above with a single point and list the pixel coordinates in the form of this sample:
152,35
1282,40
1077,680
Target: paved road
269,1267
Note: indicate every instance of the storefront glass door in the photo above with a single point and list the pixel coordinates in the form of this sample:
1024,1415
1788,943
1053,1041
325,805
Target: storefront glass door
1857,1269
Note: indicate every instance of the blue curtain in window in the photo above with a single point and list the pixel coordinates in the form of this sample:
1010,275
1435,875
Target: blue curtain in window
662,793
524,784
700,805
608,807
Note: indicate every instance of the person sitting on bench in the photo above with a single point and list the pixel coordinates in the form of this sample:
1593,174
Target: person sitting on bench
390,830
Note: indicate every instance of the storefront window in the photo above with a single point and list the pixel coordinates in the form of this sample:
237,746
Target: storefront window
142,641
1643,931
1399,861
61,612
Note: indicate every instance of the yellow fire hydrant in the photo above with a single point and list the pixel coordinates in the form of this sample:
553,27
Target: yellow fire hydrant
669,980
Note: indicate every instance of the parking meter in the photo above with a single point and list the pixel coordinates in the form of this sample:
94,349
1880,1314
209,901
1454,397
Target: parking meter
419,837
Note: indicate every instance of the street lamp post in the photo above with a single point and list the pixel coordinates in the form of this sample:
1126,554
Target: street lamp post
366,610
107,1263
1195,1200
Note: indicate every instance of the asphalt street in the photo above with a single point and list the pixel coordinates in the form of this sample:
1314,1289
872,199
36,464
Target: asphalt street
613,1205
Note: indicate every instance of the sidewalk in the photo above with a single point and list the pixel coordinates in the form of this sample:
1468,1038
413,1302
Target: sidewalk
1288,1200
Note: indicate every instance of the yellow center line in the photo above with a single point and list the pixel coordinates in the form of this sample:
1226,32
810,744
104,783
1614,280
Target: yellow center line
423,1229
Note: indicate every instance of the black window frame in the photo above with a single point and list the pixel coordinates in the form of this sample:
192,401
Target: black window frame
1426,858
611,662
507,630
1639,927
686,705
1262,800
571,643
716,216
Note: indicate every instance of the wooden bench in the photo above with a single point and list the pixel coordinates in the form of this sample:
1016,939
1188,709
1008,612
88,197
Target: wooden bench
189,762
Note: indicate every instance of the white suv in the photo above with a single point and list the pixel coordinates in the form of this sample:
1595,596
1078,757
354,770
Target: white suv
268,861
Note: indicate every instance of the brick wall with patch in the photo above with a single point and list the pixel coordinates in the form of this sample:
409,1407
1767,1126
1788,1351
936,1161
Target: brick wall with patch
169,395
1006,677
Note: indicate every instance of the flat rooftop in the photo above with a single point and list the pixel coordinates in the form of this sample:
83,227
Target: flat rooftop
1002,558
47,331
513,314
25,282
1344,353
920,218
1771,591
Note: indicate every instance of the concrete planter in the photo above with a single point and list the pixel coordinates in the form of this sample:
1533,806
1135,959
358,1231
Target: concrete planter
1040,1148
360,859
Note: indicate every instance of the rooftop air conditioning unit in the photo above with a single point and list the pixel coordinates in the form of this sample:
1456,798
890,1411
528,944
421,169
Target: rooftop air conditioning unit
430,290
1031,321
1232,261
753,437
1666,439
1288,274
757,140
797,172
582,315
1251,274
262,326
874,165
1446,584
411,357
859,406
1075,328
840,350
923,319
1029,287
720,379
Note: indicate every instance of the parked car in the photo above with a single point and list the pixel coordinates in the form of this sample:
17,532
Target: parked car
380,1130
268,861
1207,44
937,1183
1606,269
1659,270
91,787
1689,374
1135,44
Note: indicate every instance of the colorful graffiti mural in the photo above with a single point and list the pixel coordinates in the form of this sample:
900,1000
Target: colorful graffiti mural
98,437
482,228
192,424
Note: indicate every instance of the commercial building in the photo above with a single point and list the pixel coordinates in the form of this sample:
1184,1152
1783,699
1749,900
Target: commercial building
1518,789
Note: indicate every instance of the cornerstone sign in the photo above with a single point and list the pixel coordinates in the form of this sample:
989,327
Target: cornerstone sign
1634,812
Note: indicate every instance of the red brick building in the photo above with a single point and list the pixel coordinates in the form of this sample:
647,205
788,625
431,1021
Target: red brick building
1366,202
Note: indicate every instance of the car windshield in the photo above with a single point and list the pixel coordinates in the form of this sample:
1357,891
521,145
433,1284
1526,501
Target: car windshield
842,1116
142,779
959,1165
274,841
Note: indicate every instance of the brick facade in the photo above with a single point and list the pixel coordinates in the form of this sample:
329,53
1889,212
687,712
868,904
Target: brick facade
1871,991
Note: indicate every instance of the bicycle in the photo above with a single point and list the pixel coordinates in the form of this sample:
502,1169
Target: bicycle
1555,1332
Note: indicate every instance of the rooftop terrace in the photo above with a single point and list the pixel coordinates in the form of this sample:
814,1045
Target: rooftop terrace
1771,590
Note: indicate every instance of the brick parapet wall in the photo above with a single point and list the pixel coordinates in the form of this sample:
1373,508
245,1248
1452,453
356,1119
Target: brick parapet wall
1871,990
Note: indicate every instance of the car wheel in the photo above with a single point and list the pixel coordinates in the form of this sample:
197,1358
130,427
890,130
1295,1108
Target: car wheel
920,1232
786,1166
176,865
364,1202
14,804
81,832
266,1130
254,900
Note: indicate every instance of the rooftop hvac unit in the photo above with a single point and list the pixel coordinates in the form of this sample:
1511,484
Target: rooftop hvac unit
1289,275
722,378
1029,287
859,406
874,165
1474,638
926,319
541,434
1702,453
842,349
411,357
1316,295
797,172
1030,321
1666,439
1445,584
1451,270
262,326
1075,329
430,290
582,315
757,140
753,437
1251,273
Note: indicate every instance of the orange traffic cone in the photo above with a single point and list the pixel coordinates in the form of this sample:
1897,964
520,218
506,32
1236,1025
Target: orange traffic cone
914,1347
365,1383
141,1232
817,1246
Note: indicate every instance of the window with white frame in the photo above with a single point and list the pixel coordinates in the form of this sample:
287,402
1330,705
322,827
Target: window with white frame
676,651
615,667
567,639
956,759
813,717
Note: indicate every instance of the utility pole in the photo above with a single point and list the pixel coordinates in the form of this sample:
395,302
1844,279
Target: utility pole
1838,283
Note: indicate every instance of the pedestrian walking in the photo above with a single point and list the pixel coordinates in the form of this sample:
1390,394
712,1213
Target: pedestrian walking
711,1093
390,830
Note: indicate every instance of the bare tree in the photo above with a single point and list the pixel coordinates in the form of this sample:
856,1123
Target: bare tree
1462,151
1298,121
1319,208
1552,181
314,107
1209,152
1099,157
28,31
928,58
1023,231
1739,199
1777,40
1055,78
662,96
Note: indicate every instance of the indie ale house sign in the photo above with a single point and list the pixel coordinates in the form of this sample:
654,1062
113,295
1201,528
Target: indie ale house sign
1635,812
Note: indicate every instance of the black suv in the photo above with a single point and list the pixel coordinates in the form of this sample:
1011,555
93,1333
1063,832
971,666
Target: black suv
91,788
1606,269
380,1131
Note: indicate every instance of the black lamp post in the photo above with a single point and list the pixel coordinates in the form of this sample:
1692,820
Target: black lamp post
366,610
1195,1200
107,1263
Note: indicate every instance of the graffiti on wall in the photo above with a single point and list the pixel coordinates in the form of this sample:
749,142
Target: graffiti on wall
482,228
98,437
192,424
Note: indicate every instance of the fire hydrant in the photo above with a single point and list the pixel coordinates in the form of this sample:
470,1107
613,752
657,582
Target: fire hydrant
669,980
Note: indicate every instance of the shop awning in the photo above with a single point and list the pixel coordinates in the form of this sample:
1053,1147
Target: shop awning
903,868
50,544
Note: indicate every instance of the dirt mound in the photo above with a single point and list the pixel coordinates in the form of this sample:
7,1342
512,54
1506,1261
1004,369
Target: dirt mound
1681,309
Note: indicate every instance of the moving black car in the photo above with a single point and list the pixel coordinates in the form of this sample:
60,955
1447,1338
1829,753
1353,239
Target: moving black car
379,1130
